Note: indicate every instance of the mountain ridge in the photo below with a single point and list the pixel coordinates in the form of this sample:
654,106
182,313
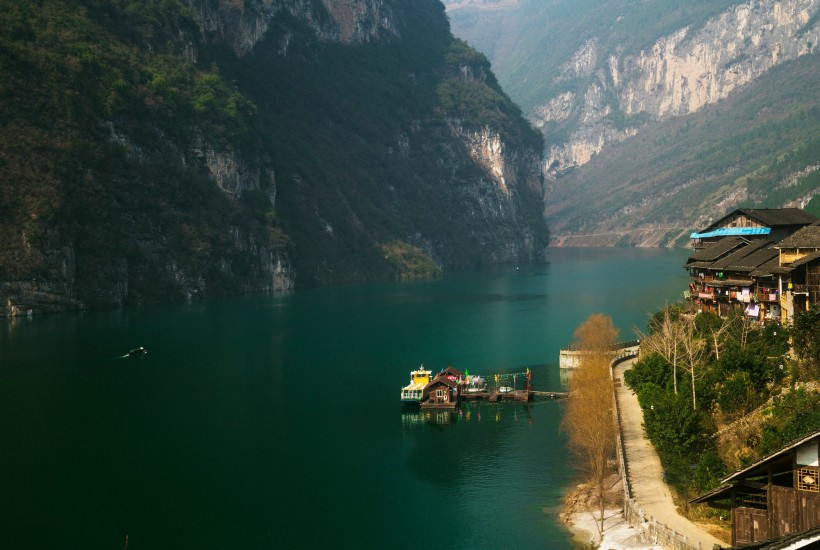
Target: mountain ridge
589,85
168,150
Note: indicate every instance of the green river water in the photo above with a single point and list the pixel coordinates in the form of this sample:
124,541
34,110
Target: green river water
275,422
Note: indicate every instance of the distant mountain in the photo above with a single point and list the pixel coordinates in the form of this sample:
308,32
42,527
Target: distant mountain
154,150
659,116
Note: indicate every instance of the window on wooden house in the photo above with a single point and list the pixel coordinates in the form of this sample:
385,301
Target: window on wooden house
808,479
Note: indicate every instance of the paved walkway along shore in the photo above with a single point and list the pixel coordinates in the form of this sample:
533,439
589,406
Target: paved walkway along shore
645,472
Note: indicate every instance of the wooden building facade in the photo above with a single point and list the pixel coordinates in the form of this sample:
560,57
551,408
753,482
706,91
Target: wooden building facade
770,223
799,268
769,280
440,393
776,496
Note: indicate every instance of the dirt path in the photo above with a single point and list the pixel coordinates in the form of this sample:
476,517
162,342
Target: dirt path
645,472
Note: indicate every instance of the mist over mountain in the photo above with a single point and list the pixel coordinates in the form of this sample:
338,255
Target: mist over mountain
659,116
168,149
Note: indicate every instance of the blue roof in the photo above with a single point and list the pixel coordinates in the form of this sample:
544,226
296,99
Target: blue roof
727,231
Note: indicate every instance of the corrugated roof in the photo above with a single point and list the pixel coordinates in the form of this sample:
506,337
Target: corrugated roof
729,231
807,237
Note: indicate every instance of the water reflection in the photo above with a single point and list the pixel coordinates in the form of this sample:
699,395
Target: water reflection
466,412
416,418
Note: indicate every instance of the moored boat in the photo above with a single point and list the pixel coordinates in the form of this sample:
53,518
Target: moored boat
412,392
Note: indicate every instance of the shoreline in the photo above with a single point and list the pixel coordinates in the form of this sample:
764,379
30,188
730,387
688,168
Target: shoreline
582,525
579,517
660,520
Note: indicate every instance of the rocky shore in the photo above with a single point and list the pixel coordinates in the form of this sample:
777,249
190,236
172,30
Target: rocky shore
580,516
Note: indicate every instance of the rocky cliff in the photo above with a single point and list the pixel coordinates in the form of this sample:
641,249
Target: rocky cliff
680,74
640,106
203,147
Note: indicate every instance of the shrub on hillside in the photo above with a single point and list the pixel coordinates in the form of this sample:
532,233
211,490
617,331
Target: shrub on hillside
792,415
649,369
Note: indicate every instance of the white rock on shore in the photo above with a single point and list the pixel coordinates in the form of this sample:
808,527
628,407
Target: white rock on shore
581,512
618,535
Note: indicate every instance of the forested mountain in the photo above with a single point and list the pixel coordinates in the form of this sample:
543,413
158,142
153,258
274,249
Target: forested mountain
158,149
659,116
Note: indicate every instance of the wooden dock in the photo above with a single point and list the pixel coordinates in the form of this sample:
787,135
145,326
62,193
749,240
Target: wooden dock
451,386
494,396
549,394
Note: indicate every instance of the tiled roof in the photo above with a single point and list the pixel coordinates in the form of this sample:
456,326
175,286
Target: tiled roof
756,259
804,539
779,216
715,251
767,269
770,217
736,257
807,237
805,259
442,379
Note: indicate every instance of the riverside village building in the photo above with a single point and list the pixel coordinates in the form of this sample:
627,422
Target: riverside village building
765,262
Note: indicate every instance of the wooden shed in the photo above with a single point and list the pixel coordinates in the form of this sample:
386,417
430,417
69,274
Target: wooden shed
776,496
440,393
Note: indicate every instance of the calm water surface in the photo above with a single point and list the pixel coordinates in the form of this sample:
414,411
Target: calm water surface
274,422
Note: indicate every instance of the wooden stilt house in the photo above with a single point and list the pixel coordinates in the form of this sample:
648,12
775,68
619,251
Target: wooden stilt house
776,496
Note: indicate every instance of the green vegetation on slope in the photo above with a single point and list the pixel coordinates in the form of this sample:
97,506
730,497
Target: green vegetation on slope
359,137
70,192
109,123
681,169
537,37
756,148
752,397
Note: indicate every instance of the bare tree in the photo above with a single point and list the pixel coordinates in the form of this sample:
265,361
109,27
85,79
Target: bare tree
664,338
746,328
693,352
717,333
589,421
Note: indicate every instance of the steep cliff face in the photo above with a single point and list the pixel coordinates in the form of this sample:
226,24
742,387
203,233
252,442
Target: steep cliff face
486,169
506,196
680,74
659,116
242,24
215,147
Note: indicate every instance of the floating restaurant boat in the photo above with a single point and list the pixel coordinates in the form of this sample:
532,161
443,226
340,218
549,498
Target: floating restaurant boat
412,392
